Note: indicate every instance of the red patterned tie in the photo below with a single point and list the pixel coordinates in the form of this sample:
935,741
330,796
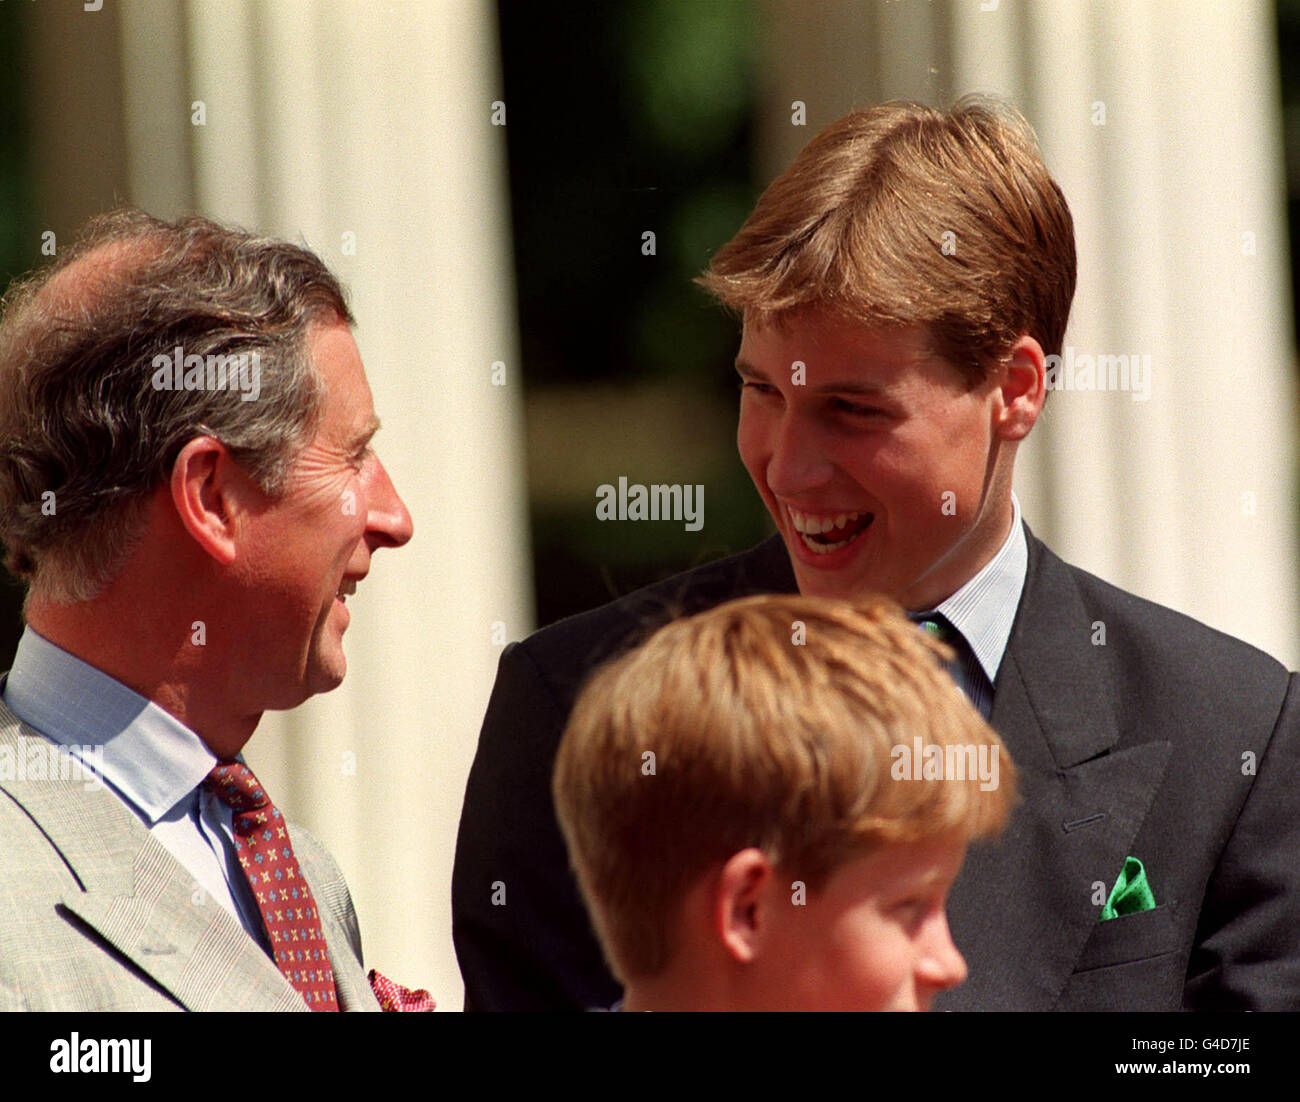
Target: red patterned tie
288,909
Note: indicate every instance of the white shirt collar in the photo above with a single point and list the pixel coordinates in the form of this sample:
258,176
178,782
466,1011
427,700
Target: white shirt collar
984,609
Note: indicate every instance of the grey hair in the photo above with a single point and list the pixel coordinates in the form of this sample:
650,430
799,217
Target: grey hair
86,436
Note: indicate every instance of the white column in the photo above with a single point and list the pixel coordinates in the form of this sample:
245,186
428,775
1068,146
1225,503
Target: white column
365,131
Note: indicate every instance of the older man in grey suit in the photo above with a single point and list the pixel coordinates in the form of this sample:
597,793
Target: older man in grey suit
187,486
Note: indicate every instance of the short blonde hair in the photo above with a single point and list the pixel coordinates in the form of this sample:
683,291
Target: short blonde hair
901,215
772,722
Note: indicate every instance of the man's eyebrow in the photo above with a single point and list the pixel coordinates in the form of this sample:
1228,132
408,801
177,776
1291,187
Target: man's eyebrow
848,386
363,435
865,390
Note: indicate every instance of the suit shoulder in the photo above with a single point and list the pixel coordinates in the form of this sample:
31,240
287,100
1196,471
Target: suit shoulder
27,851
1146,632
587,638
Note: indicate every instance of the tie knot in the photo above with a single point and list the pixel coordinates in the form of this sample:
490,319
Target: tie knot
235,786
933,623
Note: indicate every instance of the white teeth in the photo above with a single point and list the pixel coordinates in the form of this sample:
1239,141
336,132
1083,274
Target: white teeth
808,525
816,525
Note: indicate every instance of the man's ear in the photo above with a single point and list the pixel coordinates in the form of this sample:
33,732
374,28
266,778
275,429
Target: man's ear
742,903
204,491
1023,385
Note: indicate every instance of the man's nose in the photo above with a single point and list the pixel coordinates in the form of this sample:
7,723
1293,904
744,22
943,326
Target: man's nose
798,462
389,522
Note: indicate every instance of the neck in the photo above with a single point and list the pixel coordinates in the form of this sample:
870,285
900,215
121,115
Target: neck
964,560
678,989
153,655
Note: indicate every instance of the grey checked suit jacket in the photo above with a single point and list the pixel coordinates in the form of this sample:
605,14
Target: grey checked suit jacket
96,915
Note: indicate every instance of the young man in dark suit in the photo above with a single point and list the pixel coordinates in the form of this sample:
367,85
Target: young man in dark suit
902,287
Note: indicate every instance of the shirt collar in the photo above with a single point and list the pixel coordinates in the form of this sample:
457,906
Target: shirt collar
984,609
143,752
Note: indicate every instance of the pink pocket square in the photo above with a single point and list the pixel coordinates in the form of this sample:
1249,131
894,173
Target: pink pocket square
396,999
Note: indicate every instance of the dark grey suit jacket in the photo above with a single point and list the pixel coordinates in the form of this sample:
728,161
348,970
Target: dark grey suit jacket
1170,742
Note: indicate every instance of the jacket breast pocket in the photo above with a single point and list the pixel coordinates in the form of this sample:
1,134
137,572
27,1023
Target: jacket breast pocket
1130,938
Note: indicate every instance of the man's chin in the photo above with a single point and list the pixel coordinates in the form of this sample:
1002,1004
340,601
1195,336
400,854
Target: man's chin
315,681
851,582
831,584
329,679
325,672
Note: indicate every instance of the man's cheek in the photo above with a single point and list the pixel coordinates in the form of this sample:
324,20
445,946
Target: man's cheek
748,449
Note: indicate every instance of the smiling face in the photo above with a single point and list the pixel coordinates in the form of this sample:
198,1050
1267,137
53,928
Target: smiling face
875,937
313,544
883,469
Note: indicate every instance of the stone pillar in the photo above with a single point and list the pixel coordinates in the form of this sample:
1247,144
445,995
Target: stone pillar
365,131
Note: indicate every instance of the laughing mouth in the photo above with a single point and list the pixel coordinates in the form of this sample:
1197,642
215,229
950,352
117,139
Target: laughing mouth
822,534
346,589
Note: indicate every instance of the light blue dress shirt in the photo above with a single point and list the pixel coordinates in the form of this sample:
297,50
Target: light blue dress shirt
143,754
984,610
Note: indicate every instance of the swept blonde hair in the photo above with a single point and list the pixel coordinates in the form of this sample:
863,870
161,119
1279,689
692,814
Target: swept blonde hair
903,215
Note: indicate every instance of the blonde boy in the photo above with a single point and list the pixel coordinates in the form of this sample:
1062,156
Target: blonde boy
740,806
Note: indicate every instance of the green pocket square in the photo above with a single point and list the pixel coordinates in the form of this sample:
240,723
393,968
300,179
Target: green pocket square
1131,892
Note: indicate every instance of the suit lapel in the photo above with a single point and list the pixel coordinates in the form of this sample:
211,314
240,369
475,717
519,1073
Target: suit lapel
1023,907
189,945
766,569
350,981
139,899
